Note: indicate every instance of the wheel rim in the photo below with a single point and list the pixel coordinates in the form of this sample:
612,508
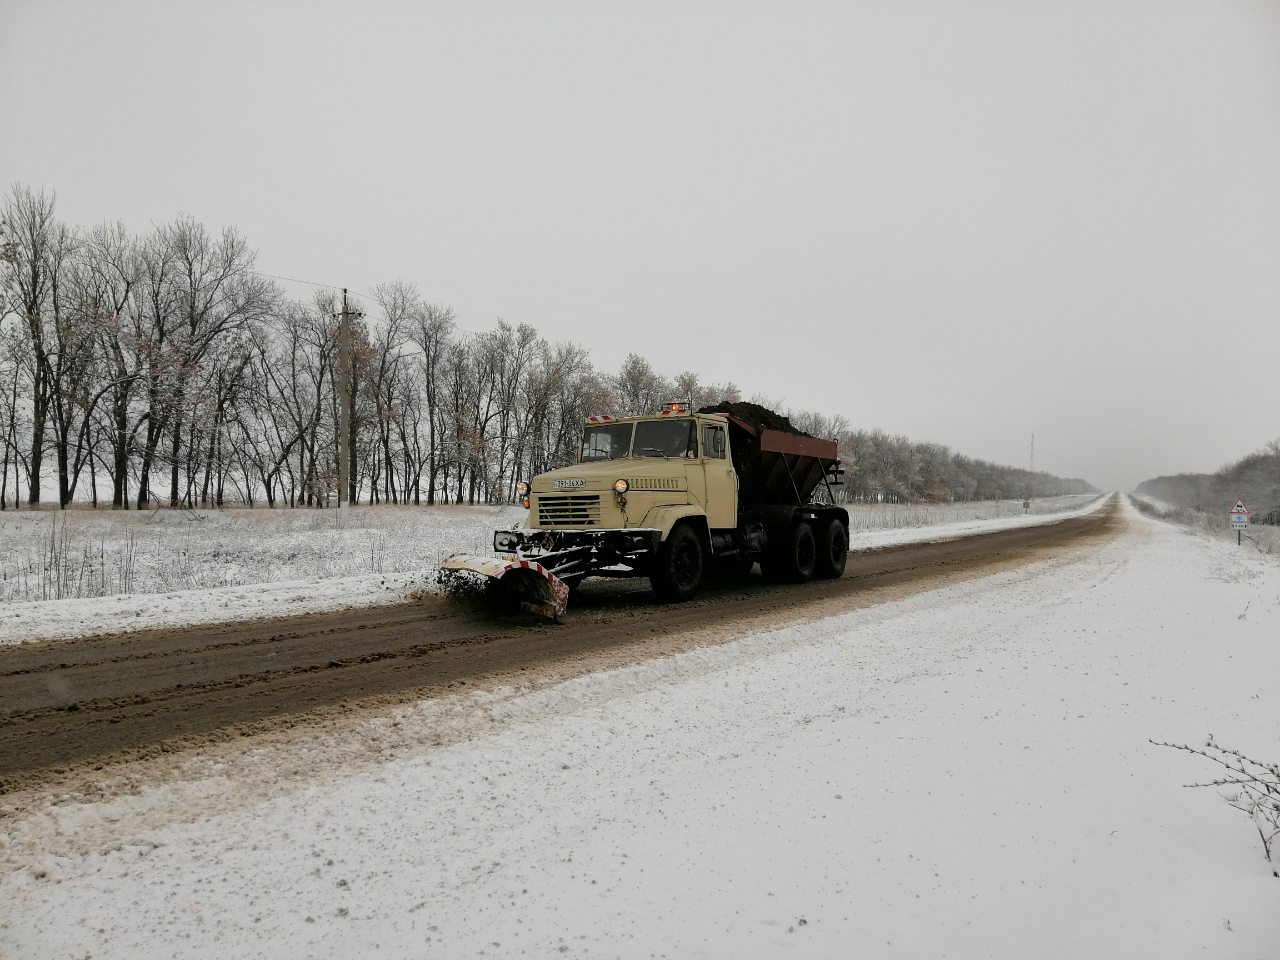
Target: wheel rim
805,553
685,563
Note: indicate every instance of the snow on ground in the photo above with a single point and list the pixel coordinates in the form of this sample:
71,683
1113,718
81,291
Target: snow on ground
961,773
256,552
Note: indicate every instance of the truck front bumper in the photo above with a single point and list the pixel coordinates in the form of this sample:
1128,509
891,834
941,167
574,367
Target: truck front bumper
581,553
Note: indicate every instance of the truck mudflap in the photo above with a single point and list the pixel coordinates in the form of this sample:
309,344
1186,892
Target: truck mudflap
534,587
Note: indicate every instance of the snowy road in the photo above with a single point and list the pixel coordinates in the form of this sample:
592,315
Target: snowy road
962,772
70,701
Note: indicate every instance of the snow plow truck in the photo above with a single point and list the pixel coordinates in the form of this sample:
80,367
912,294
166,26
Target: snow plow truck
667,496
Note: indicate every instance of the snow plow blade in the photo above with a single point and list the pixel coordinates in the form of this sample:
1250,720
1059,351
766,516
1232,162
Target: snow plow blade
533,587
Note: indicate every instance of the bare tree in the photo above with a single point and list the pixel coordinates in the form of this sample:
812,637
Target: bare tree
37,249
112,267
198,289
401,308
638,387
432,332
13,378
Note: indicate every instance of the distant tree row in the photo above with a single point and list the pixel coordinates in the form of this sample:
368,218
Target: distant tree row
878,466
1254,479
163,369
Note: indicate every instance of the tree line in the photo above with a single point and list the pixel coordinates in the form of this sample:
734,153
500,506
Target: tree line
164,369
1255,479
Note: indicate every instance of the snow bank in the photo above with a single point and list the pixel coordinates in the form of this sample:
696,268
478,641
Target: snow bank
58,619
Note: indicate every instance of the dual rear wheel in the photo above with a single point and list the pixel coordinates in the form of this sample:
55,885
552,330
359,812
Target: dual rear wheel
804,553
833,549
800,555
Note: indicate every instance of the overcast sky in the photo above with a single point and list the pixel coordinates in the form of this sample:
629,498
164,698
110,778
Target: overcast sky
965,222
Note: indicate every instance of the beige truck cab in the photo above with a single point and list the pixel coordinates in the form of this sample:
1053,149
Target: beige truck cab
641,473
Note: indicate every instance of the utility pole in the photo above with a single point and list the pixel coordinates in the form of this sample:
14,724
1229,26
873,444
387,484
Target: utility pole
344,407
1031,469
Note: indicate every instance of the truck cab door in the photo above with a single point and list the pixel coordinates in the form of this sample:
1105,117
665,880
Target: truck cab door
722,481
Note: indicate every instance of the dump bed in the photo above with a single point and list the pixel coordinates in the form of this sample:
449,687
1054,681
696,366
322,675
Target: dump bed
777,466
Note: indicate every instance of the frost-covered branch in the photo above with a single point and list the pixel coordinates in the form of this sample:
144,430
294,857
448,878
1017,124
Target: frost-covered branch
1256,786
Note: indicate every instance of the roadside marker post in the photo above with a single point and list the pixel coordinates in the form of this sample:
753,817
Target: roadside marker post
1238,515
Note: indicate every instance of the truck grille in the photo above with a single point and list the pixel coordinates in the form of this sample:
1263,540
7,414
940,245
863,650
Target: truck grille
569,510
657,483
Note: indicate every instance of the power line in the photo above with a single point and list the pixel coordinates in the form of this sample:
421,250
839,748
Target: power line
312,283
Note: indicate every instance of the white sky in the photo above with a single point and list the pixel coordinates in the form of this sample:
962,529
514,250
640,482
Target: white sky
962,222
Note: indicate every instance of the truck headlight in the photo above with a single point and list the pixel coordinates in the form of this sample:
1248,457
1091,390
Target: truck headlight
522,488
620,487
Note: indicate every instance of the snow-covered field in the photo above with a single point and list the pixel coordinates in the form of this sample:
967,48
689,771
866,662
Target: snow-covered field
46,555
176,568
85,553
961,773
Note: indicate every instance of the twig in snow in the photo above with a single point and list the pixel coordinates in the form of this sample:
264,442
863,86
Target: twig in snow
1256,785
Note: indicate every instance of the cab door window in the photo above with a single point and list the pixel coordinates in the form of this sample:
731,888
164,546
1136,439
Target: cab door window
713,442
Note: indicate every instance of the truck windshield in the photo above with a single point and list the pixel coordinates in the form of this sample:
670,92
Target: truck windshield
608,441
675,439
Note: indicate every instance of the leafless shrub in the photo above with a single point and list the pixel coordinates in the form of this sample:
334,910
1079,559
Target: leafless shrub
1248,785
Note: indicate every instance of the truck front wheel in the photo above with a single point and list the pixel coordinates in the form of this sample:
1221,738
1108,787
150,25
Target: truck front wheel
677,574
793,560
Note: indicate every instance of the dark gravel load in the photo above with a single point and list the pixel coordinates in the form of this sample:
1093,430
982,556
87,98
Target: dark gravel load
755,415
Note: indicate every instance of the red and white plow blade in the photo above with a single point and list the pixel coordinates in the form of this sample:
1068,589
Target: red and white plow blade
536,587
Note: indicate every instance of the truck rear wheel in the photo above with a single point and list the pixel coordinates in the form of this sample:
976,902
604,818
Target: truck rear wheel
677,573
833,550
793,559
